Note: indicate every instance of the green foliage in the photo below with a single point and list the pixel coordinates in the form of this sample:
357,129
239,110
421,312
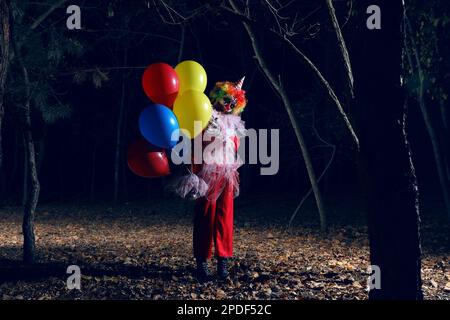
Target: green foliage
53,113
98,77
49,105
430,23
45,52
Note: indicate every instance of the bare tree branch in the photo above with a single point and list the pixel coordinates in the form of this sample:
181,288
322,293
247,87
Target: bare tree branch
342,46
278,86
284,37
330,90
42,17
302,201
175,16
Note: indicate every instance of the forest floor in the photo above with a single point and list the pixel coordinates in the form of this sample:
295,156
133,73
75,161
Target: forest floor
142,251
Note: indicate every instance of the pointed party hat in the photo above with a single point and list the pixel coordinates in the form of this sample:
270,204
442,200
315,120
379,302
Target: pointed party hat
240,83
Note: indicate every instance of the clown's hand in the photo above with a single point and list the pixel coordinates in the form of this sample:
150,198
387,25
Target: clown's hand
213,128
191,187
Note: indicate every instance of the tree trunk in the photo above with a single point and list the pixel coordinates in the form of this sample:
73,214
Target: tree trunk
12,179
277,85
32,192
4,64
61,172
93,171
29,252
444,116
391,182
119,132
124,160
25,172
438,150
438,154
41,150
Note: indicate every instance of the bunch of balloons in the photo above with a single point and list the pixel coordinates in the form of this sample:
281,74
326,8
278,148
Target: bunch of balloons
178,102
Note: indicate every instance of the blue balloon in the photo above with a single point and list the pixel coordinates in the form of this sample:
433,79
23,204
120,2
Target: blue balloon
157,123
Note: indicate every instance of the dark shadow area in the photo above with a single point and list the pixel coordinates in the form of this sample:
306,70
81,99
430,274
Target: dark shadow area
14,270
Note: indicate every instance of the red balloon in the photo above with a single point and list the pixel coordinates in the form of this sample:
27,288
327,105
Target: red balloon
161,83
146,160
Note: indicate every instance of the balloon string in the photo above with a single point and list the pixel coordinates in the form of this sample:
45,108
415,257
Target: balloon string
187,168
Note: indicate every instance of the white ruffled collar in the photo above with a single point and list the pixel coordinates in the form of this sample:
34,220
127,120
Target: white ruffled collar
227,124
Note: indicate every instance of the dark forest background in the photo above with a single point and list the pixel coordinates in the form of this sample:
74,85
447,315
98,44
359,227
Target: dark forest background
84,81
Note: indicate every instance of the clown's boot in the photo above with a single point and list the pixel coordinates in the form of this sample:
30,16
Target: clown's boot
222,268
202,273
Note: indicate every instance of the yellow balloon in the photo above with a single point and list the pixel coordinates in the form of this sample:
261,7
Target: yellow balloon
192,76
193,111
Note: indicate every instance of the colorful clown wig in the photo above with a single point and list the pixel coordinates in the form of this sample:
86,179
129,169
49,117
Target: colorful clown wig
228,97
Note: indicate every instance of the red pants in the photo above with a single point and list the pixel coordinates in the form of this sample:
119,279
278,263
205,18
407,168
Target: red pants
213,221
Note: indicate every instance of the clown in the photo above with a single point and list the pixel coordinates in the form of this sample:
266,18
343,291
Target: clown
215,182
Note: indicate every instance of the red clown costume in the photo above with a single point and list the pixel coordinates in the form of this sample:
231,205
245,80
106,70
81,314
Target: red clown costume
215,182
